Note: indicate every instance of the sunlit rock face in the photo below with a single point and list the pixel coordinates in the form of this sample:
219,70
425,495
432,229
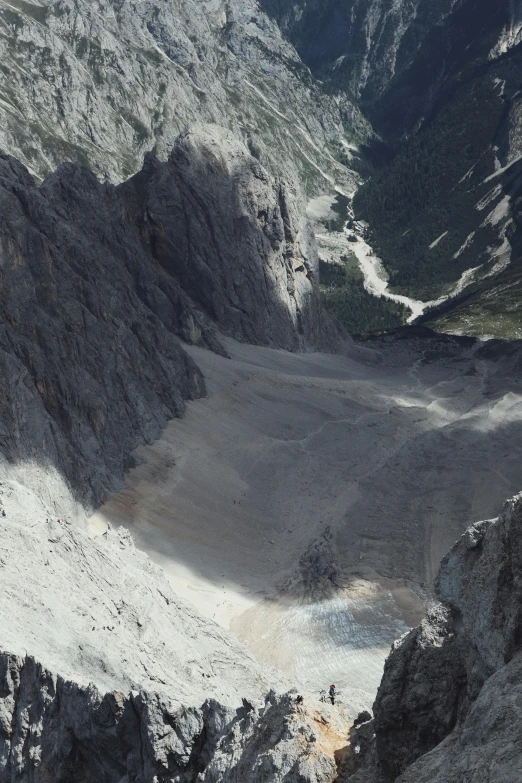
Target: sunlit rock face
106,674
450,701
104,82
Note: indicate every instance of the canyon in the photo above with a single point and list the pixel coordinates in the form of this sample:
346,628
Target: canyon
214,500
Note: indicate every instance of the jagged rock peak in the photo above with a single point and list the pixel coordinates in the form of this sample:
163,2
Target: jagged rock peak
450,702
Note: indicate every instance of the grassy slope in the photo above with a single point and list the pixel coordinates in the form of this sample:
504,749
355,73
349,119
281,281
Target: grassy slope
493,308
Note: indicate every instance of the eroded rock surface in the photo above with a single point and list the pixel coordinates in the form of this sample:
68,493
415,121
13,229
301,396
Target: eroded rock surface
106,675
104,81
98,282
449,703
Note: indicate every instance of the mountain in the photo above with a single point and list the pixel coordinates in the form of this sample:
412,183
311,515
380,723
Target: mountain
124,680
448,708
398,60
104,82
157,162
440,83
99,282
106,674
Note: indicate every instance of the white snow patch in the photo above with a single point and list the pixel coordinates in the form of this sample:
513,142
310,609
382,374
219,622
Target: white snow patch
466,244
349,148
320,208
504,248
489,197
465,279
503,169
438,240
467,175
500,212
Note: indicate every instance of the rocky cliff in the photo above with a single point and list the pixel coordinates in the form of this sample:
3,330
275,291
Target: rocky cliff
448,708
99,282
103,82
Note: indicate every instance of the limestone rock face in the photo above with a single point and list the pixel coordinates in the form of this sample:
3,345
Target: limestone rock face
234,237
450,700
56,730
99,281
102,82
125,681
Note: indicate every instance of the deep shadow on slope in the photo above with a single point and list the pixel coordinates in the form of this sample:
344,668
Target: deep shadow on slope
92,304
395,450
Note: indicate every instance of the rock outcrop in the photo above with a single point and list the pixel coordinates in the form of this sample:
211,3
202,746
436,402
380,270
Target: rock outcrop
449,705
234,237
106,675
99,282
102,82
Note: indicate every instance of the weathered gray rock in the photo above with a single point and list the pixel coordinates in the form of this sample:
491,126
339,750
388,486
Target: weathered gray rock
52,729
102,82
107,675
234,237
450,701
98,282
487,748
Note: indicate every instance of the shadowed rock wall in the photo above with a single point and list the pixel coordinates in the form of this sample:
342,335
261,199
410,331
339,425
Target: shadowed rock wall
98,282
449,705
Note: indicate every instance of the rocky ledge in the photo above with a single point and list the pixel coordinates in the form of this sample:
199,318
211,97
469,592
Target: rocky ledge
450,702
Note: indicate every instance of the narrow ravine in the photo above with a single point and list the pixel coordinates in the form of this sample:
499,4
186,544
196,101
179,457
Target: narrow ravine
375,280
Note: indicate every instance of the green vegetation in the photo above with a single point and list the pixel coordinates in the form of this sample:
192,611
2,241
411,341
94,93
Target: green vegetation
344,296
432,187
490,307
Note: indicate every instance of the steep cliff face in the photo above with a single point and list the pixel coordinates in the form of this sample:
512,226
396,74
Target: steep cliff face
234,237
449,704
98,283
103,82
398,59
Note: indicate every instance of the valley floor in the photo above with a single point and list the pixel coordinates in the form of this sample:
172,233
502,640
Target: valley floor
306,502
334,245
